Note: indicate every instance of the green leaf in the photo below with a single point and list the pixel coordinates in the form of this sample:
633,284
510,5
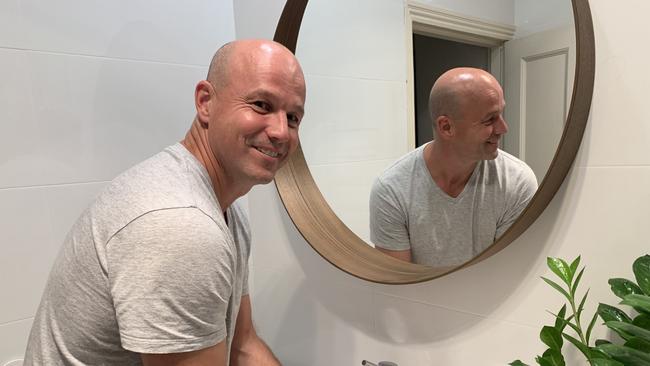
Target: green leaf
638,344
628,356
582,303
643,321
591,326
630,329
544,361
610,313
560,268
579,345
557,287
596,354
602,341
640,303
560,322
622,287
577,281
605,362
564,322
574,266
641,269
552,337
554,357
517,363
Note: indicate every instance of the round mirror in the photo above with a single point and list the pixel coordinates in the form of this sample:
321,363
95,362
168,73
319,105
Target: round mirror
369,69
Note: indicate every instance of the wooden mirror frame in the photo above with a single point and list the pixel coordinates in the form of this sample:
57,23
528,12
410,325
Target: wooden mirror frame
335,242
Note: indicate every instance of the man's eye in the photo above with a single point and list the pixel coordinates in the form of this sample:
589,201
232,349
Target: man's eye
293,119
262,105
491,120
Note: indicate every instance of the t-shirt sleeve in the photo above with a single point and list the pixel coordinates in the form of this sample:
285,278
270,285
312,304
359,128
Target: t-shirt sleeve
388,222
519,195
171,274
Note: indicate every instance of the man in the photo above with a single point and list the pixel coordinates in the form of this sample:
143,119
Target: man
448,200
155,271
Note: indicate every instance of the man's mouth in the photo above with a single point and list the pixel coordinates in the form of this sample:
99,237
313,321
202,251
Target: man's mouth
273,154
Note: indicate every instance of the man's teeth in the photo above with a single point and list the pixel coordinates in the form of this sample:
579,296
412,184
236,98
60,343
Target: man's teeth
270,153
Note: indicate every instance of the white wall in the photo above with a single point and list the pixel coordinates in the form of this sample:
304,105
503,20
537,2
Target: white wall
500,11
532,16
490,314
353,56
88,89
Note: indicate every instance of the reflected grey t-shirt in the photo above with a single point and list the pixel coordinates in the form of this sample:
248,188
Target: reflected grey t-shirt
149,267
409,211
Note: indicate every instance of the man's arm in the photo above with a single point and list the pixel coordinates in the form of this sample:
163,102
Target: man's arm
404,255
247,348
211,356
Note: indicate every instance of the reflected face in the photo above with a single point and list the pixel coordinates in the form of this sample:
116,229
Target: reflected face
256,118
481,124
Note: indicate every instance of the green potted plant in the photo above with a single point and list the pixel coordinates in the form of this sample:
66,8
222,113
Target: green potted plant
633,350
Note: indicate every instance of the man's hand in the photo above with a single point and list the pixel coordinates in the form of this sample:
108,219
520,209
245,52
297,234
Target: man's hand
247,348
213,356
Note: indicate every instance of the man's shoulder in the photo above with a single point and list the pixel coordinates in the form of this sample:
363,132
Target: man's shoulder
163,181
405,163
513,167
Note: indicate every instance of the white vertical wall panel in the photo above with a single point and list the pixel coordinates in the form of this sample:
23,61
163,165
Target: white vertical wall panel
33,225
533,16
352,120
355,39
87,118
13,336
166,31
500,11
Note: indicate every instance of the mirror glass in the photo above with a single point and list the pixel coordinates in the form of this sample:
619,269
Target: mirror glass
369,67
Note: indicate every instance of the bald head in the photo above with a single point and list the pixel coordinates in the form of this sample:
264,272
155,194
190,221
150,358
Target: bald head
454,90
243,54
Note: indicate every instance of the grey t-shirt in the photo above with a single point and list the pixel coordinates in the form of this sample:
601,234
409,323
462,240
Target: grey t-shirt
409,211
149,267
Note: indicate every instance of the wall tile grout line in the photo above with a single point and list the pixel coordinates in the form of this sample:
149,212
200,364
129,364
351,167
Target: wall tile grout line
338,77
54,185
16,321
485,317
126,59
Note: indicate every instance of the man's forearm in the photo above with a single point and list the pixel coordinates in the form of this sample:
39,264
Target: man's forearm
252,352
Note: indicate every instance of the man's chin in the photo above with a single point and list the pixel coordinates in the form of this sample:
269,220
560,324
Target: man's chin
491,155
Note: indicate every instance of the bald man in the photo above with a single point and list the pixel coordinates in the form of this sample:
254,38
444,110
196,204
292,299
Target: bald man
445,202
155,272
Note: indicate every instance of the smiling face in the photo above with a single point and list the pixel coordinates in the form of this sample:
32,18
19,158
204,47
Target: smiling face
254,117
479,125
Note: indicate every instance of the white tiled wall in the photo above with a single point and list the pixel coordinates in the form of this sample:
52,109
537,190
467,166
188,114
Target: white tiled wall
88,89
536,16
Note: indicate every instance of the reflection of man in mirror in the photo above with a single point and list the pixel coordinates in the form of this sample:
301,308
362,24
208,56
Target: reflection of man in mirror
445,202
155,271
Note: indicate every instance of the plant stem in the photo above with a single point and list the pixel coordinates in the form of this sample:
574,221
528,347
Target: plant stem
576,316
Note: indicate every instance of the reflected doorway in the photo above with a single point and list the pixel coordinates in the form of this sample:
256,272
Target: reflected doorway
431,58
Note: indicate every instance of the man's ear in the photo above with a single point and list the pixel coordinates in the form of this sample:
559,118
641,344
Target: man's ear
444,127
203,100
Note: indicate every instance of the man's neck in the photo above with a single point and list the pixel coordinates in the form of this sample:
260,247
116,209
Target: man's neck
226,190
449,171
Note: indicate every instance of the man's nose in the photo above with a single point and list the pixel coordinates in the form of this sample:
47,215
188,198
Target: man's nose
502,126
278,128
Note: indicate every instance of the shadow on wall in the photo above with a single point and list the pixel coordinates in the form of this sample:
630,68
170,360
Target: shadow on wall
322,302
